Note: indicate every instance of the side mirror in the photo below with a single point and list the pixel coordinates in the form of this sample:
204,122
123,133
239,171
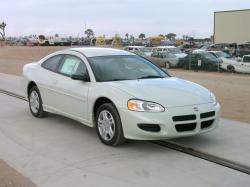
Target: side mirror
82,77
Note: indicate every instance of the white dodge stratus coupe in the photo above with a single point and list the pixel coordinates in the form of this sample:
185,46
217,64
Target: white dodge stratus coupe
121,94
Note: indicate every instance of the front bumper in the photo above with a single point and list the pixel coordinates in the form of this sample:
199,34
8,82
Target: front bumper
131,119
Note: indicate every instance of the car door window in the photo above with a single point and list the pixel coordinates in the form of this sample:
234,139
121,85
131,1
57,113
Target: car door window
246,59
52,63
72,65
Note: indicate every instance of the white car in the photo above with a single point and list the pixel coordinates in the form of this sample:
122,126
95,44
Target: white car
171,49
237,65
121,94
139,50
240,65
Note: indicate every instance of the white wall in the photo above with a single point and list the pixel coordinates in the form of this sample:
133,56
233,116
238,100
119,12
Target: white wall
232,26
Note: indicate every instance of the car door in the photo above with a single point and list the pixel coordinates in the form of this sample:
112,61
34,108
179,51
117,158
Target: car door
46,79
71,95
245,64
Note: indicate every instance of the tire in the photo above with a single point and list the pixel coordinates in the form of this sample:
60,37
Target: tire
108,125
230,69
35,103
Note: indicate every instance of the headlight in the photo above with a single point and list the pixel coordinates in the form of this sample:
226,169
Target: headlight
144,106
213,98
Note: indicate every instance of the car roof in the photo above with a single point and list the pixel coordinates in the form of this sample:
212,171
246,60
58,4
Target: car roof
215,51
163,47
133,46
99,51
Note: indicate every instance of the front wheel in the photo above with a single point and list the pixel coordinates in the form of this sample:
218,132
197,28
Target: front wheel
35,103
108,125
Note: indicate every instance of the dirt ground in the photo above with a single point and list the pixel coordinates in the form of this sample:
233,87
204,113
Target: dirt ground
231,90
9,177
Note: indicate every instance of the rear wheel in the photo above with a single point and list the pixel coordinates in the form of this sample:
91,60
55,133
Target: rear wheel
108,125
35,103
231,69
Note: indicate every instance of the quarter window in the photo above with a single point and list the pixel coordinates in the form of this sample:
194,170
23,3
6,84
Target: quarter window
52,63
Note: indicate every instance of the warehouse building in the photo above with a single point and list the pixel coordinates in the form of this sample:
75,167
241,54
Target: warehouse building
232,26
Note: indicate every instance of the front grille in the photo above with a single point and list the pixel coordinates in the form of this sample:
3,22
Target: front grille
185,127
207,114
184,118
206,124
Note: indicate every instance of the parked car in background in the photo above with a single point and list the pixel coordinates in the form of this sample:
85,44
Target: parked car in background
168,59
171,49
229,48
139,50
200,60
58,41
43,41
243,49
32,41
240,65
122,95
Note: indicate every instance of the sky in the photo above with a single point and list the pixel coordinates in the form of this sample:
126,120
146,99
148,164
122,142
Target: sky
109,17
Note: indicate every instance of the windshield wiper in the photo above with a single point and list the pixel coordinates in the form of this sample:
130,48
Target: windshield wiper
151,76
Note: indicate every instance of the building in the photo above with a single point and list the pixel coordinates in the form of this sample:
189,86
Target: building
232,26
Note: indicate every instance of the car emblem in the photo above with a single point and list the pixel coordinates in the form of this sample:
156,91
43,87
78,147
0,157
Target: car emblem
196,109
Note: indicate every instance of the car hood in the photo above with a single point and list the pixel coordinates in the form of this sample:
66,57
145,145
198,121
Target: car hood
169,92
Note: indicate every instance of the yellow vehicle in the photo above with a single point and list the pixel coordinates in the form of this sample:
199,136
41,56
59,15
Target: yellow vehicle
156,40
117,41
100,41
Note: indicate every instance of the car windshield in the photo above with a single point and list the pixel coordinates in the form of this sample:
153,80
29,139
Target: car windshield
175,50
124,67
210,56
223,54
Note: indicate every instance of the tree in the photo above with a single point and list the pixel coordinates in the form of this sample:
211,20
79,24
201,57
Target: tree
171,36
2,30
142,36
89,33
127,35
161,35
56,35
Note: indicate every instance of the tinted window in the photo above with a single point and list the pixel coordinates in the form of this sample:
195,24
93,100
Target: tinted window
52,63
72,65
246,59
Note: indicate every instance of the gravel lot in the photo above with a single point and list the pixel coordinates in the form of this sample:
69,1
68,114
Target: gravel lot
9,177
232,90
